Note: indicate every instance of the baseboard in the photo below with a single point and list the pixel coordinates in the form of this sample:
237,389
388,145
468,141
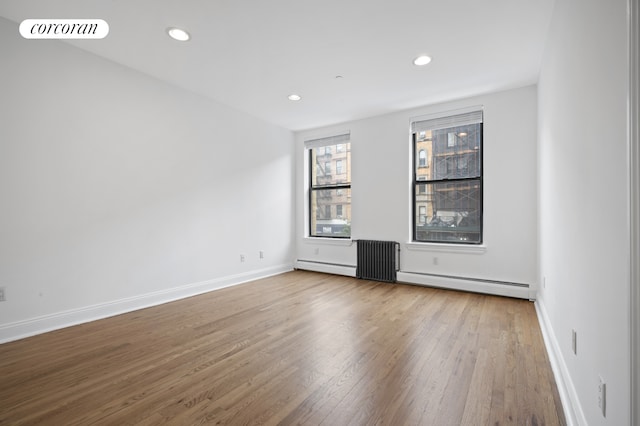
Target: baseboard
475,286
329,268
43,324
570,403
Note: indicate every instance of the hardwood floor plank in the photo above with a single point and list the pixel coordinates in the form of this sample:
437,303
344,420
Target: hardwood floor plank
298,348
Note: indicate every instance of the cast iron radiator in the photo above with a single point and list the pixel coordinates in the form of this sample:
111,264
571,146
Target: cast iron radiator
377,260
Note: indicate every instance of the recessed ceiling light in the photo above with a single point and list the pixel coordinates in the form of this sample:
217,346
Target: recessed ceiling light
462,134
178,34
294,97
421,60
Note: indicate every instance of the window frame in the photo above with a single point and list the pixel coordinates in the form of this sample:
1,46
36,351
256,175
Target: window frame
415,182
337,186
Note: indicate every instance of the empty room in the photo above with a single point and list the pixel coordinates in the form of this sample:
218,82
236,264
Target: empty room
319,213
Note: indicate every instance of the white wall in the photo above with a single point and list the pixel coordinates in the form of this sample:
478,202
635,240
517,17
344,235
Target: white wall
118,190
381,195
583,183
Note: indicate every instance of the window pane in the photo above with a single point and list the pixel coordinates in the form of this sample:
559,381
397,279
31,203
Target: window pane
453,212
423,155
453,153
330,213
331,166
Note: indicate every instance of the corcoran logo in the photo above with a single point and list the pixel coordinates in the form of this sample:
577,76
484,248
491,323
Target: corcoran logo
64,28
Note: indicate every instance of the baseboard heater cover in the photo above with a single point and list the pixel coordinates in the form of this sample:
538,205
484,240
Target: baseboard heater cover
475,285
480,280
378,260
326,267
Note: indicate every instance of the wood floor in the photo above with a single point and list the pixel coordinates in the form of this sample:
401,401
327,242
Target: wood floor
298,348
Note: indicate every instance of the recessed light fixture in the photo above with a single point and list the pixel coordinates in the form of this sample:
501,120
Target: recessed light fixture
422,60
294,97
462,134
178,34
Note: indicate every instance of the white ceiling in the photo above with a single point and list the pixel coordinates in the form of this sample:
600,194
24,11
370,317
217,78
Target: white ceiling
251,54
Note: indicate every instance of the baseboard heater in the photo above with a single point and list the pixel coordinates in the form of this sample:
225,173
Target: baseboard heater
378,260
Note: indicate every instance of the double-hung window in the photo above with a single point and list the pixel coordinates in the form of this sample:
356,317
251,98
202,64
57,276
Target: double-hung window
447,179
330,186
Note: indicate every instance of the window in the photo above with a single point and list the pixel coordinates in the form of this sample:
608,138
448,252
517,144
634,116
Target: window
330,193
423,214
451,139
327,169
447,197
422,158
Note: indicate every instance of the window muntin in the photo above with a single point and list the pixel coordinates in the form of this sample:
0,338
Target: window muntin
330,189
447,196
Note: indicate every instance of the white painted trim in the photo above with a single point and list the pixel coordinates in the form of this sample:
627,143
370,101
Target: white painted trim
475,286
328,268
571,406
634,204
322,133
43,324
346,242
446,113
447,248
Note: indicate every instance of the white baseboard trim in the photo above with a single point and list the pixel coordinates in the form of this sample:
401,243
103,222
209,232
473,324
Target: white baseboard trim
329,268
573,412
31,327
475,286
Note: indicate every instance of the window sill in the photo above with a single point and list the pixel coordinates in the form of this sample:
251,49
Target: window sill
345,242
447,248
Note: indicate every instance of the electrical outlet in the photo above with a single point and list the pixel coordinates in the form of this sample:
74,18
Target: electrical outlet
435,260
242,258
3,295
261,254
574,342
316,251
602,396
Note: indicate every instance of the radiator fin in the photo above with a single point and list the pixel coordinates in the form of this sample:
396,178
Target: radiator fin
377,260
